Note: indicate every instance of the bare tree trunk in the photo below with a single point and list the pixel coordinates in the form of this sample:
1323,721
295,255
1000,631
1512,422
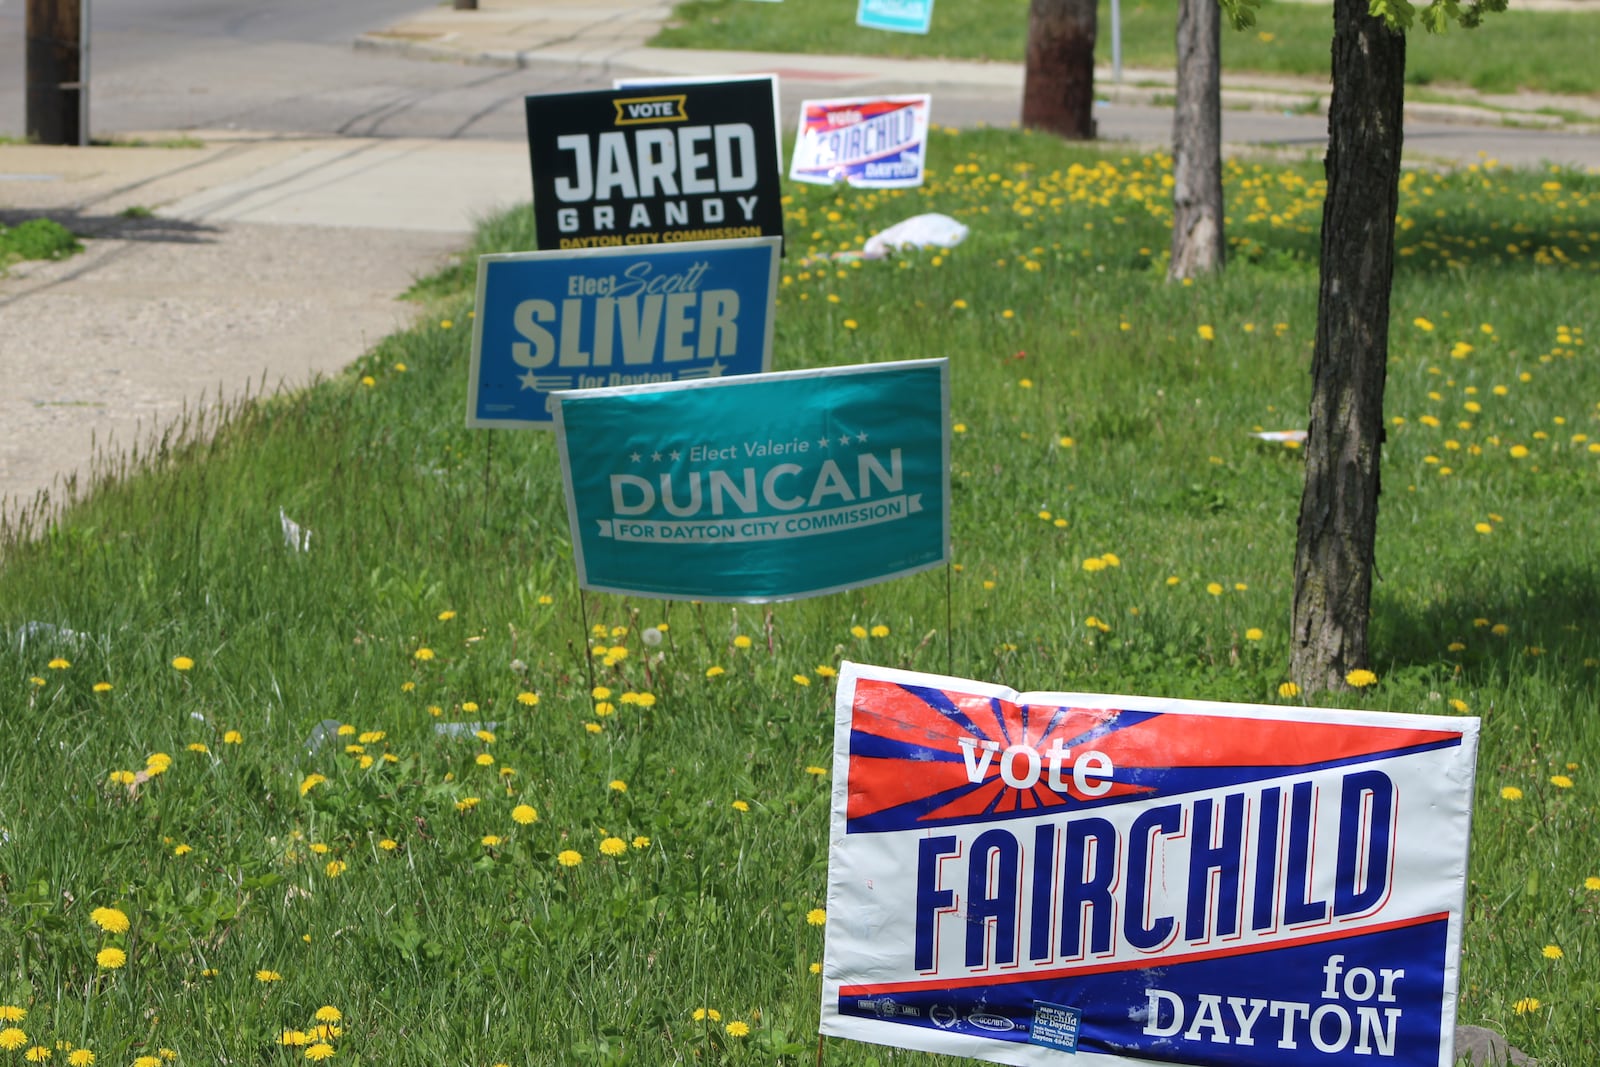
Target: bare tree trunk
54,70
1058,86
1197,237
1334,553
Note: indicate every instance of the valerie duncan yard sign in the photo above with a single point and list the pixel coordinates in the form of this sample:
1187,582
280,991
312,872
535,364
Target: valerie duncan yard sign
754,489
1066,878
655,164
615,316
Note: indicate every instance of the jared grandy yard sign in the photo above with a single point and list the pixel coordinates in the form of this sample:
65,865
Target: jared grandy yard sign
655,164
1061,878
615,316
755,489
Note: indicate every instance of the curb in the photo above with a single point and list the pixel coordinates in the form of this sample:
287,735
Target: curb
1313,99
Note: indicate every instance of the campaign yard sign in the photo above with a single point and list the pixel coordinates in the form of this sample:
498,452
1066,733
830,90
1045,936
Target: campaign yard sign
615,316
655,164
902,16
869,142
756,489
1131,880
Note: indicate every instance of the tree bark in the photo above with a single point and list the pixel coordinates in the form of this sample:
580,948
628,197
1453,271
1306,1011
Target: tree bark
54,70
1058,83
1334,552
1197,233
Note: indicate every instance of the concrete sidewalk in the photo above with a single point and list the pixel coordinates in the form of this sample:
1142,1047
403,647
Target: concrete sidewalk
615,33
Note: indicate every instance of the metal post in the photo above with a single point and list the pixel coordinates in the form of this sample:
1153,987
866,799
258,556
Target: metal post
1116,41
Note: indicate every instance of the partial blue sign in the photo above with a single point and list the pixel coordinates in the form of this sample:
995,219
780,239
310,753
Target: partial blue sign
606,317
756,489
901,16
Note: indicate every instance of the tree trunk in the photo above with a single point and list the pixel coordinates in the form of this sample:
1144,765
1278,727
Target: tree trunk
54,70
1058,86
1197,237
1334,552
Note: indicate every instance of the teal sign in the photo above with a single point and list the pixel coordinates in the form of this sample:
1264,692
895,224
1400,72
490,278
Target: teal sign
901,16
772,487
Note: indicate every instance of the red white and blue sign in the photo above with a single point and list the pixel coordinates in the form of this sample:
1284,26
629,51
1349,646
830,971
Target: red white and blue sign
1131,880
868,142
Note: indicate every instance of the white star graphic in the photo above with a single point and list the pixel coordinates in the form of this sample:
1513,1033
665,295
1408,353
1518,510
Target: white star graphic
676,455
716,370
823,441
844,439
655,457
635,457
861,438
530,380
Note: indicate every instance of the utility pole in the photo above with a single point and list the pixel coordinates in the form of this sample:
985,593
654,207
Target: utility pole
57,72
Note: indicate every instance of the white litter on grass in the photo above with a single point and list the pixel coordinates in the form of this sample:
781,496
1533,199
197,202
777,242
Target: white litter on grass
45,631
321,732
1298,436
295,536
919,231
458,729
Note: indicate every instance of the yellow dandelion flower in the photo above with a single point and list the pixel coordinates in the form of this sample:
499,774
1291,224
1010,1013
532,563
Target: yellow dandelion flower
469,705
825,671
524,815
1214,588
817,771
742,641
1360,678
446,616
741,805
37,1054
858,631
1253,634
58,664
483,759
467,803
879,630
110,958
1526,1006
294,1039
1552,952
111,920
613,846
80,1057
815,968
422,654
310,782
1457,704
801,679
268,976
712,672
816,917
182,663
569,858
388,844
12,1038
1093,564
1422,324
737,1029
1207,333
1592,884
1561,781
592,727
528,699
102,687
10,1013
1510,792
702,1014
335,868
617,785
1288,689
328,1014
182,850
491,840
322,1050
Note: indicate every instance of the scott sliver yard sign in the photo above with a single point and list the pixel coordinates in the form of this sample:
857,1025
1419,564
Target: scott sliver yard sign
762,488
1067,878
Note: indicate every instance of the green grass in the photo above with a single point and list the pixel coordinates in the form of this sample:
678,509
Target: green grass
1544,51
1093,416
36,239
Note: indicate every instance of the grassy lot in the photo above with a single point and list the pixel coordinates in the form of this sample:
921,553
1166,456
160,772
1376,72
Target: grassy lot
480,860
1546,51
35,239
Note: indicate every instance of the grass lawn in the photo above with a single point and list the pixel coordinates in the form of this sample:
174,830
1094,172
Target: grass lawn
362,801
1547,51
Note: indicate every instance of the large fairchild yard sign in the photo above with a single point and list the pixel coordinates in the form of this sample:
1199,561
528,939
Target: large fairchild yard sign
1066,878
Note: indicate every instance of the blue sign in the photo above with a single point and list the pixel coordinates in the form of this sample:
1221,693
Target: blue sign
756,489
902,16
605,317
